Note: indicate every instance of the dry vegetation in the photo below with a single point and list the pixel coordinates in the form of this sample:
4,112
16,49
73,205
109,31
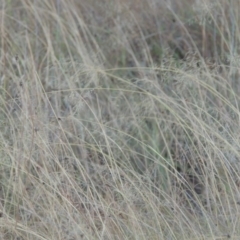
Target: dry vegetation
119,119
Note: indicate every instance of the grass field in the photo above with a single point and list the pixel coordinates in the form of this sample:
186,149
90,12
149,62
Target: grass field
119,119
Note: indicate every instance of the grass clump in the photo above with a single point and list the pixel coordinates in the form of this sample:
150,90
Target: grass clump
117,123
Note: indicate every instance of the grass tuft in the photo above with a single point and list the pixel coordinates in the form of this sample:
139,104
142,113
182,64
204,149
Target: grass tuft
119,120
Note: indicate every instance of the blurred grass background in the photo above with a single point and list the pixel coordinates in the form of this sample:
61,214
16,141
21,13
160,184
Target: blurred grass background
119,119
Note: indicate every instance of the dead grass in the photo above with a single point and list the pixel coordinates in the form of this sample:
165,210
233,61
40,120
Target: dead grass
119,120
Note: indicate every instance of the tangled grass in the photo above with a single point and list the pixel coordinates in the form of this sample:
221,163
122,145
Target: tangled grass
119,120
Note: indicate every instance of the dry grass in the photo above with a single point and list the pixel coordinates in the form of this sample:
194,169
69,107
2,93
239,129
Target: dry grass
119,120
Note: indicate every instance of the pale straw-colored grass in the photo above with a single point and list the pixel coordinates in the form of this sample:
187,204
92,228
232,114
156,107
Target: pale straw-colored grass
106,133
